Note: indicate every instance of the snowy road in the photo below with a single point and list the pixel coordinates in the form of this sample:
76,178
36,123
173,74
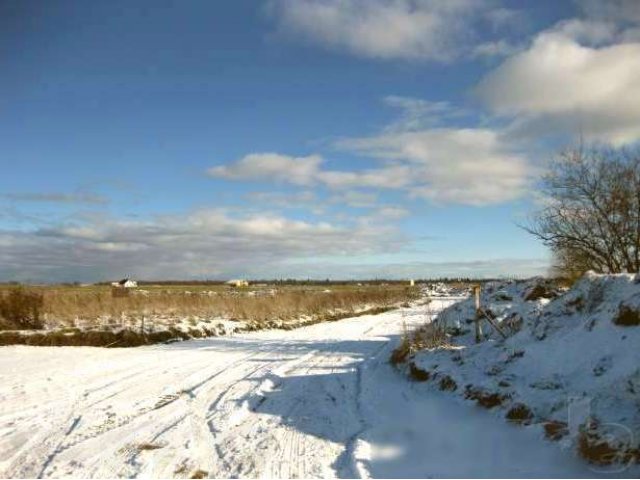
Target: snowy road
320,401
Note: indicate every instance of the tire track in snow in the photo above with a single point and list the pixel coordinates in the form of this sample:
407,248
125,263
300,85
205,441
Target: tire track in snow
212,412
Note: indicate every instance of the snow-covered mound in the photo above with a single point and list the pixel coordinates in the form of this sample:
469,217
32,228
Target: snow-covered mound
441,289
570,362
508,302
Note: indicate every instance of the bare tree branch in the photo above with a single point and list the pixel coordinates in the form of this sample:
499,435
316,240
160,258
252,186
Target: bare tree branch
592,220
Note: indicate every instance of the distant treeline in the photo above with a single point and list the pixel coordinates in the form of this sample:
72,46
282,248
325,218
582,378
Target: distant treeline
311,282
292,281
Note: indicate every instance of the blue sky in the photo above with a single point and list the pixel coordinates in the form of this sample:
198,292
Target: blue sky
304,138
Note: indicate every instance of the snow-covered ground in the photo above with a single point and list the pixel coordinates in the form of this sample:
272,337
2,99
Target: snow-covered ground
319,401
570,363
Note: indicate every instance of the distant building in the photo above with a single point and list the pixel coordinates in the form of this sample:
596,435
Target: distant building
238,283
412,282
125,283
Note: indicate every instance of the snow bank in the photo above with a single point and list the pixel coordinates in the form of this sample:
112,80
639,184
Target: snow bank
441,289
570,364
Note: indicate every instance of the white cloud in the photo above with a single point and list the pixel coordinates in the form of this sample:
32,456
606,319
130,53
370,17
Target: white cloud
354,198
499,48
445,165
578,77
303,198
398,29
307,171
392,212
468,166
393,176
207,243
273,166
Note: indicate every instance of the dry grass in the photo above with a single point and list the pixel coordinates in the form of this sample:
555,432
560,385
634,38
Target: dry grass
199,474
428,336
20,309
555,430
520,414
66,305
91,338
484,398
148,446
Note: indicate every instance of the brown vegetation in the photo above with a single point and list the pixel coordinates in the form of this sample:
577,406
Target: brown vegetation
91,338
427,336
287,308
627,317
418,374
520,414
66,305
484,398
448,384
401,352
598,449
20,309
199,474
555,430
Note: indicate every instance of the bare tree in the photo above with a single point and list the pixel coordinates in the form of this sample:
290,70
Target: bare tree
591,217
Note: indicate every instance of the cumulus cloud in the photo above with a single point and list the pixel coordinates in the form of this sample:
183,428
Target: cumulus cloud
303,198
392,212
579,77
499,48
208,243
468,166
306,171
256,166
445,165
398,29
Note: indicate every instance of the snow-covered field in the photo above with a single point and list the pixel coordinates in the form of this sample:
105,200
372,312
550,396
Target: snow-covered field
319,401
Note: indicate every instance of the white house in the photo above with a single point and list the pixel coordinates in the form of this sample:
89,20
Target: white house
238,283
125,283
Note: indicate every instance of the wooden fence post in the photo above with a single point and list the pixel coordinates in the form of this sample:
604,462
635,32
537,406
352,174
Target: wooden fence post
476,291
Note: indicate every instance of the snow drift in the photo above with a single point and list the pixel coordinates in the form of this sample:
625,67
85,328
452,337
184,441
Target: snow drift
570,363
